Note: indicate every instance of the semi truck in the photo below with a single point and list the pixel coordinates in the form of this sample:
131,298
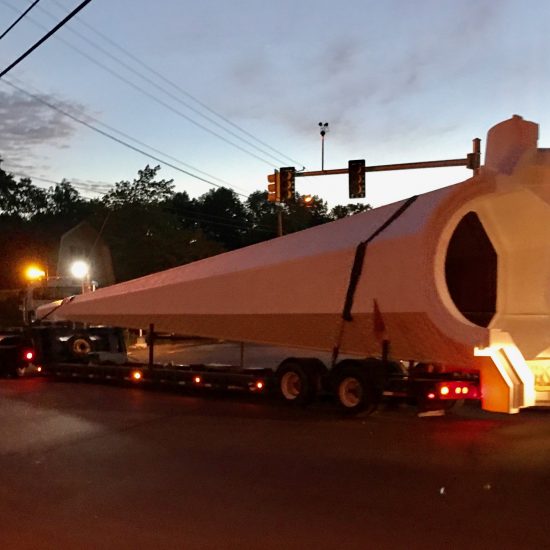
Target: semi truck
44,291
456,280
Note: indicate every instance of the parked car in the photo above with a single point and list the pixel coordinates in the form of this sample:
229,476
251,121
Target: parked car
16,354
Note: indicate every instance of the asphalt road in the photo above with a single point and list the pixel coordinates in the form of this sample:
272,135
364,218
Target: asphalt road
91,466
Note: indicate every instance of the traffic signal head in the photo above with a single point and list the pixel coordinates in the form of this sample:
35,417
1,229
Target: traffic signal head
356,174
286,177
274,187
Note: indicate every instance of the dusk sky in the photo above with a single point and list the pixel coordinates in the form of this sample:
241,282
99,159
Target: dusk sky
397,80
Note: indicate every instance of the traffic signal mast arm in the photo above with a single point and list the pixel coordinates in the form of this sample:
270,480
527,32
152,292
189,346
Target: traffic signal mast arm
472,161
281,184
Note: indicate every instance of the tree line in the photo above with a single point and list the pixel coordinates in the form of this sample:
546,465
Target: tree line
147,225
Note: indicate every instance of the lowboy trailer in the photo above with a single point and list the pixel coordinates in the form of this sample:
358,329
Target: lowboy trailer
457,278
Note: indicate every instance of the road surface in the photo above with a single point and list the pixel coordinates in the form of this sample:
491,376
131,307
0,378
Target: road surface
92,466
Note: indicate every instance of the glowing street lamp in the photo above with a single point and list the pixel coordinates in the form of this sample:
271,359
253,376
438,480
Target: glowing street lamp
34,273
81,270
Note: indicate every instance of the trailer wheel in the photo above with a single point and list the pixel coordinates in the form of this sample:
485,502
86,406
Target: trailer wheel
80,346
297,382
355,392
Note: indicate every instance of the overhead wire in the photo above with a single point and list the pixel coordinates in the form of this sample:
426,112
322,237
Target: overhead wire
19,19
154,97
76,184
50,33
113,138
263,228
139,142
178,88
190,215
76,119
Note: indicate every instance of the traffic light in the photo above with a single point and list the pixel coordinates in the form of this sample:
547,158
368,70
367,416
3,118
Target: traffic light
274,187
356,174
286,187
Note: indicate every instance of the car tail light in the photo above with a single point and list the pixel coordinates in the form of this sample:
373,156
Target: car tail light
28,355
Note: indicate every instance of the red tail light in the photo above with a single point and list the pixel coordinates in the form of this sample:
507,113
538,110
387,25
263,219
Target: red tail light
457,390
28,355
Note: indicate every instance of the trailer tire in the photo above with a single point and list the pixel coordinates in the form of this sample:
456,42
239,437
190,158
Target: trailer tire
297,381
80,346
355,390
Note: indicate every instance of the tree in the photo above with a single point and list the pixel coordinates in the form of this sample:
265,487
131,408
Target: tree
64,200
184,210
341,211
222,217
145,238
262,216
21,199
300,216
143,190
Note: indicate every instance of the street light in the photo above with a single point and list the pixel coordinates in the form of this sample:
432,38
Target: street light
81,270
34,273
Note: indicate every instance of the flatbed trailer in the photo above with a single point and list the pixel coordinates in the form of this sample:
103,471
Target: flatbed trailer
392,382
187,376
457,277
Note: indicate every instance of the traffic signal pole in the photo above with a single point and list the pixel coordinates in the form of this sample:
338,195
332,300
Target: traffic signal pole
471,161
281,182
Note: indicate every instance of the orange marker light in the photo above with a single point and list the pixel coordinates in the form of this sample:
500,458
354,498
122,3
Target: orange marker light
259,384
136,375
458,389
444,390
465,390
197,379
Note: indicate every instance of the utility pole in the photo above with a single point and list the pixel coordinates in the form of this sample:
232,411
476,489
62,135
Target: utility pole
323,129
279,220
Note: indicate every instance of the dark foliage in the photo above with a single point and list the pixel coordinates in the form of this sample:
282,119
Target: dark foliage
146,224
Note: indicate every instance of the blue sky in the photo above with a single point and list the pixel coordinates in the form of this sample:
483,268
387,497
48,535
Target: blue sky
397,81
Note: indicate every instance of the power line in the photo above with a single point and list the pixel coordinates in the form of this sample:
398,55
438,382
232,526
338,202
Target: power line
190,215
175,86
156,99
175,98
113,138
143,144
45,37
19,19
77,185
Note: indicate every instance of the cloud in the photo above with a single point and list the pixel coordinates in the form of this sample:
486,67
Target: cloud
389,76
26,125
